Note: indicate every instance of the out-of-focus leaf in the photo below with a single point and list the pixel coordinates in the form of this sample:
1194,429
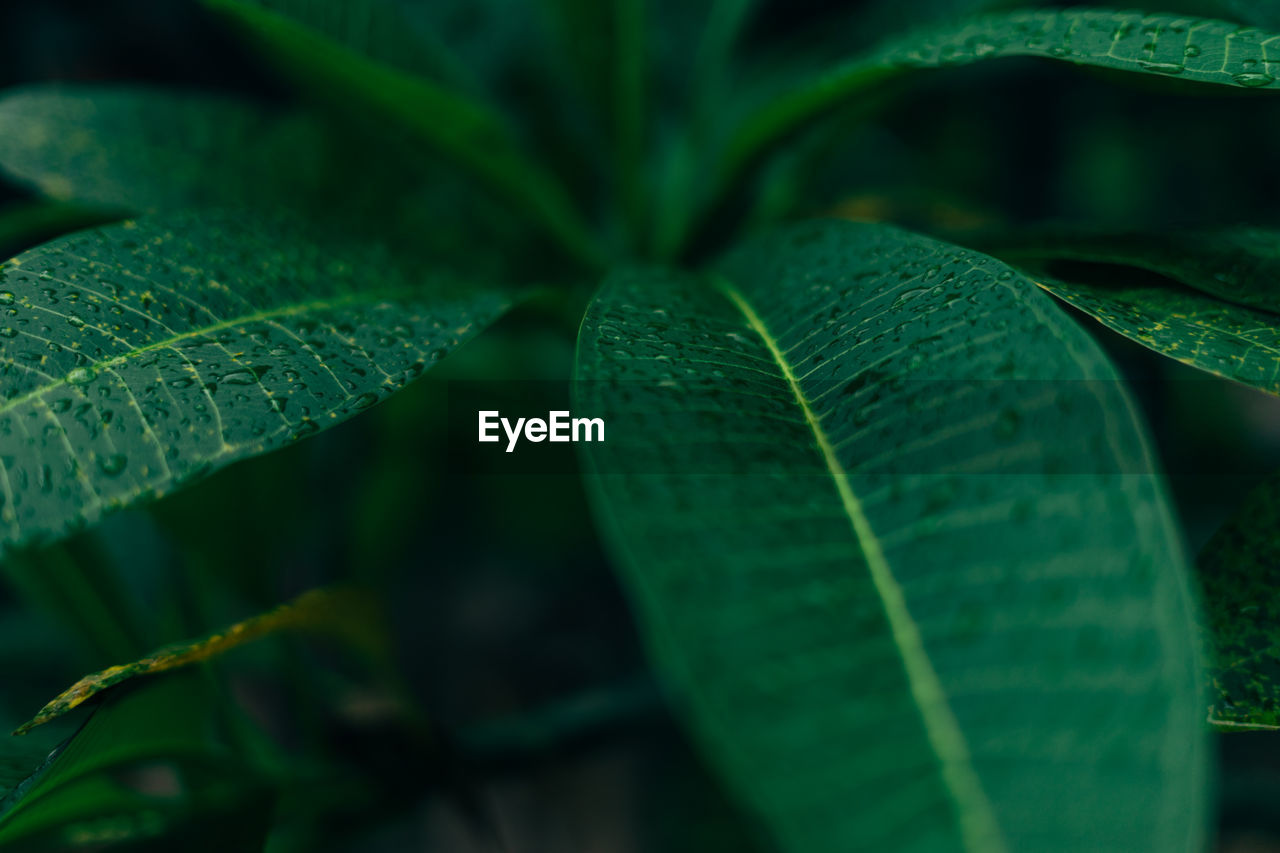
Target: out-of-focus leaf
1240,575
344,613
17,761
381,30
606,45
75,583
888,519
135,149
1240,265
1217,337
463,129
142,150
1193,49
148,761
141,356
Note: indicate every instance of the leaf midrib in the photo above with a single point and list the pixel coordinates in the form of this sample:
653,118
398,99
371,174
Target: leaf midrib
978,826
316,305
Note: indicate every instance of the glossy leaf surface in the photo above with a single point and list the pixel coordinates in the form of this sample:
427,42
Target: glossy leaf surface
888,519
1218,337
137,357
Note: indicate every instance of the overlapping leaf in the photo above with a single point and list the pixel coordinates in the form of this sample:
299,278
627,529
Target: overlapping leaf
461,128
150,762
1240,265
1198,50
1215,336
136,357
888,519
1240,574
378,29
342,613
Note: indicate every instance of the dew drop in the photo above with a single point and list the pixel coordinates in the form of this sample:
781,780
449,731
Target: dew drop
81,376
7,297
8,332
1253,79
364,401
113,465
1169,68
239,377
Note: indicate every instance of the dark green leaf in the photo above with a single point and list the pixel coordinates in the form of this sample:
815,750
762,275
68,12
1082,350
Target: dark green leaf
1240,575
1198,330
462,129
149,760
1192,49
1240,265
381,30
140,356
143,150
889,521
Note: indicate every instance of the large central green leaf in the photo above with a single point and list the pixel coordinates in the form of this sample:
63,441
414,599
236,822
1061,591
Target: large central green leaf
889,520
136,357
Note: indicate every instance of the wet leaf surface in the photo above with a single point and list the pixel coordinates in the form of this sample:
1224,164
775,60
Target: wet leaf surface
888,519
141,356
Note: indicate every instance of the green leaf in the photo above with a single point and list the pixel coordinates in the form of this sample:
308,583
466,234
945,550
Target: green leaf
148,760
464,130
1238,264
142,150
1240,576
78,585
381,30
1192,49
889,521
1217,337
138,357
134,149
347,614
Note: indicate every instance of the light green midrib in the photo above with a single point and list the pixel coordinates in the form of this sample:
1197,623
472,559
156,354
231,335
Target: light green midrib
978,826
258,317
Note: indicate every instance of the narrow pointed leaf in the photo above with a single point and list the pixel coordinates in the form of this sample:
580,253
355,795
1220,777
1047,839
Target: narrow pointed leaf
140,356
1240,575
380,30
1227,340
464,130
347,614
889,522
147,762
1194,49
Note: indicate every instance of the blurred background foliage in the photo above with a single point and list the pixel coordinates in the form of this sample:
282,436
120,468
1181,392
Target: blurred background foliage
521,713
